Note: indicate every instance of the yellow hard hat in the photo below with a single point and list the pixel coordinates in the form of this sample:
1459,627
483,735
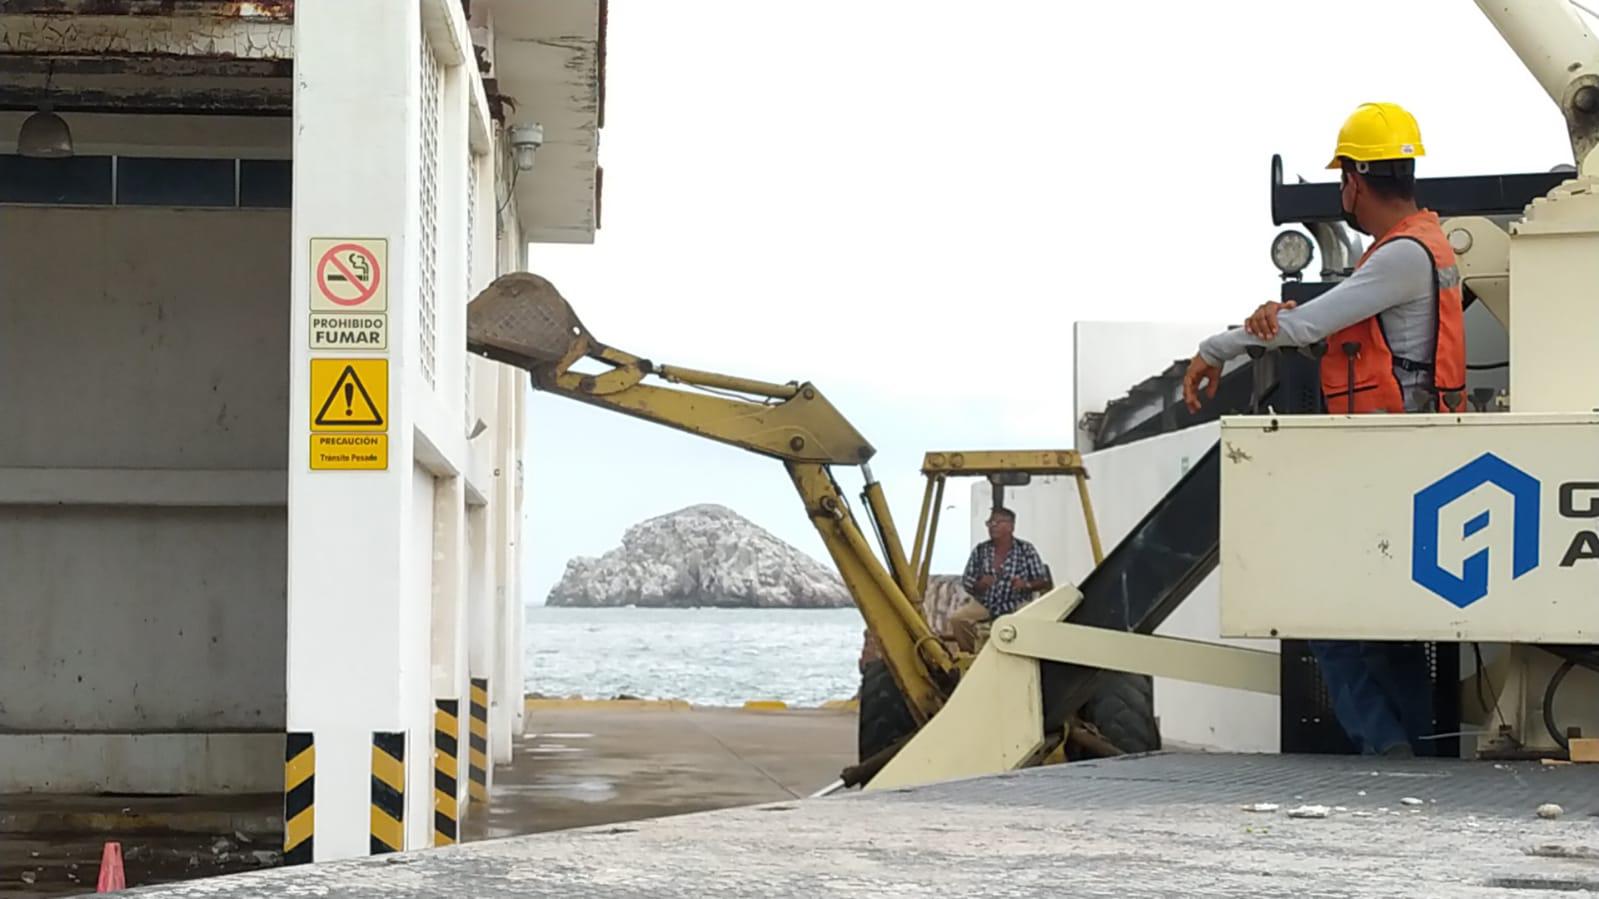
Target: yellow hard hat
1378,131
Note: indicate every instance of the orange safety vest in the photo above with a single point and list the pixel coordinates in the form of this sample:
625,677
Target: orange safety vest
1357,371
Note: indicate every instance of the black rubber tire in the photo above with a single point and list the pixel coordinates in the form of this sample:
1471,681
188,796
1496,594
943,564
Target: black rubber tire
1123,708
884,717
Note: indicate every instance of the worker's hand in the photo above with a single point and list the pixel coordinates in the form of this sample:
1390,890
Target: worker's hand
984,582
1263,324
1200,372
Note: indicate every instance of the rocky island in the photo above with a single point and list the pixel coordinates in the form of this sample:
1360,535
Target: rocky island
704,555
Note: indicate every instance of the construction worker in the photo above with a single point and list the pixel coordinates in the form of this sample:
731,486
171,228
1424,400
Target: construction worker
1393,342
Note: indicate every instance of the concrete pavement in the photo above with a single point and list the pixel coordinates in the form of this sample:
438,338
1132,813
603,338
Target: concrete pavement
593,764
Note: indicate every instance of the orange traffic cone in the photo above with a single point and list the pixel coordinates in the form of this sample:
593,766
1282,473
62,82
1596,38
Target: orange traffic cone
111,875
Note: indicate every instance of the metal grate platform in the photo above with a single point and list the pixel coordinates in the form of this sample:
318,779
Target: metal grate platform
1449,787
1162,825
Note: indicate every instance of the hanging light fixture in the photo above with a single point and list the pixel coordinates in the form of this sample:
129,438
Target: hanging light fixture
45,135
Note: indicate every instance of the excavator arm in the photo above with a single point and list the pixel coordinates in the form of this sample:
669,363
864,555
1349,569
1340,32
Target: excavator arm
522,320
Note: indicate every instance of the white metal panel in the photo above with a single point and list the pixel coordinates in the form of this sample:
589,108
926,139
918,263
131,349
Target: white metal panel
1554,255
1124,483
1410,527
1109,358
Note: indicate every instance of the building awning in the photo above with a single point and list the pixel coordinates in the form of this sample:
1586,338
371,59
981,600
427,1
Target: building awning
548,60
543,63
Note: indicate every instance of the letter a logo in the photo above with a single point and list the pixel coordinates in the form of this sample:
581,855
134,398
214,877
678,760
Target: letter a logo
1471,584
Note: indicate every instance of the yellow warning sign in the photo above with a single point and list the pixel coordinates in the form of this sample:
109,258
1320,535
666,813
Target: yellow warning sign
350,452
349,394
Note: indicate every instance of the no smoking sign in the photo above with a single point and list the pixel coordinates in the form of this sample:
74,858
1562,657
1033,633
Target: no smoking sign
349,274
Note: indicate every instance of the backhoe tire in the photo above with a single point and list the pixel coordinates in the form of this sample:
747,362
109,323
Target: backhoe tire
1123,709
884,718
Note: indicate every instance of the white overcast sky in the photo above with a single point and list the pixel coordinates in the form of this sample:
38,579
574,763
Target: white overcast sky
910,203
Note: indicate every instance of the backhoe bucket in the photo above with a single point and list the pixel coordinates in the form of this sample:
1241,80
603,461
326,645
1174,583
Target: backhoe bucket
522,319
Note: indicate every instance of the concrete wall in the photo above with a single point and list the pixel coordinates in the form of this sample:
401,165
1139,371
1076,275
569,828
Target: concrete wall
142,528
142,763
139,620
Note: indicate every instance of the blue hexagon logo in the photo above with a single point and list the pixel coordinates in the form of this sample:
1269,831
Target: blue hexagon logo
1471,584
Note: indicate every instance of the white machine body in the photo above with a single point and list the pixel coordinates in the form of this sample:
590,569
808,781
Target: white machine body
1481,527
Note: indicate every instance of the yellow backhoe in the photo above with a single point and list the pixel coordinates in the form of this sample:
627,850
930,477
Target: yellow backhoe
909,671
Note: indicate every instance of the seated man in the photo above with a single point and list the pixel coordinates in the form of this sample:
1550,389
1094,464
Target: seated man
1003,573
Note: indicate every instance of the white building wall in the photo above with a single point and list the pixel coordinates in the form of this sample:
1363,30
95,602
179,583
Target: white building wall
346,653
180,568
435,597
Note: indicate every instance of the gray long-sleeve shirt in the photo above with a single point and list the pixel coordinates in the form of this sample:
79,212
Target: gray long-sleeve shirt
1395,283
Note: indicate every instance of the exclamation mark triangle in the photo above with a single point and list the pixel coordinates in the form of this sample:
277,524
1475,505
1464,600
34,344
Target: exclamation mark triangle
348,403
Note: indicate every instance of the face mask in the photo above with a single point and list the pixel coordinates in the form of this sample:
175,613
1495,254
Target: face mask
1349,218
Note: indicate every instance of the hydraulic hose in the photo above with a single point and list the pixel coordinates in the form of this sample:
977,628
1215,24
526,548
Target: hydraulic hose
1549,703
1573,656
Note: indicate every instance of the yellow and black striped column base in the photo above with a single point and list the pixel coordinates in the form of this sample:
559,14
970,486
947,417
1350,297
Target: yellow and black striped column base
446,768
388,792
478,757
299,798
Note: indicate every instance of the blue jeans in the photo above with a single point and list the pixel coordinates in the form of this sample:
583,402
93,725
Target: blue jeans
1381,692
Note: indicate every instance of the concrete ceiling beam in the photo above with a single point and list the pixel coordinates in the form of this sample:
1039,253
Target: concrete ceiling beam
231,37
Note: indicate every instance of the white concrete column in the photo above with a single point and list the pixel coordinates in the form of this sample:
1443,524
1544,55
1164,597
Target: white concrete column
506,642
480,626
356,641
518,628
451,558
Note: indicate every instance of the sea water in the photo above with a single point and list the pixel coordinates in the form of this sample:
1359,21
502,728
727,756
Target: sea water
709,657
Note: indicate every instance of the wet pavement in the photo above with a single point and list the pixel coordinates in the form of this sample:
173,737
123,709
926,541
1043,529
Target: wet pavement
592,764
577,767
67,864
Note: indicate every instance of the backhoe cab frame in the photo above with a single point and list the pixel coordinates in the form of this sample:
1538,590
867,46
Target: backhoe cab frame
1002,468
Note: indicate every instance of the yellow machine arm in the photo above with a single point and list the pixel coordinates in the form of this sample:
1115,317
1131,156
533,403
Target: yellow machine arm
522,320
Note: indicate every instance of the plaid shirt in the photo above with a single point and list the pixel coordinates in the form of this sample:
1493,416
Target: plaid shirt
1022,561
